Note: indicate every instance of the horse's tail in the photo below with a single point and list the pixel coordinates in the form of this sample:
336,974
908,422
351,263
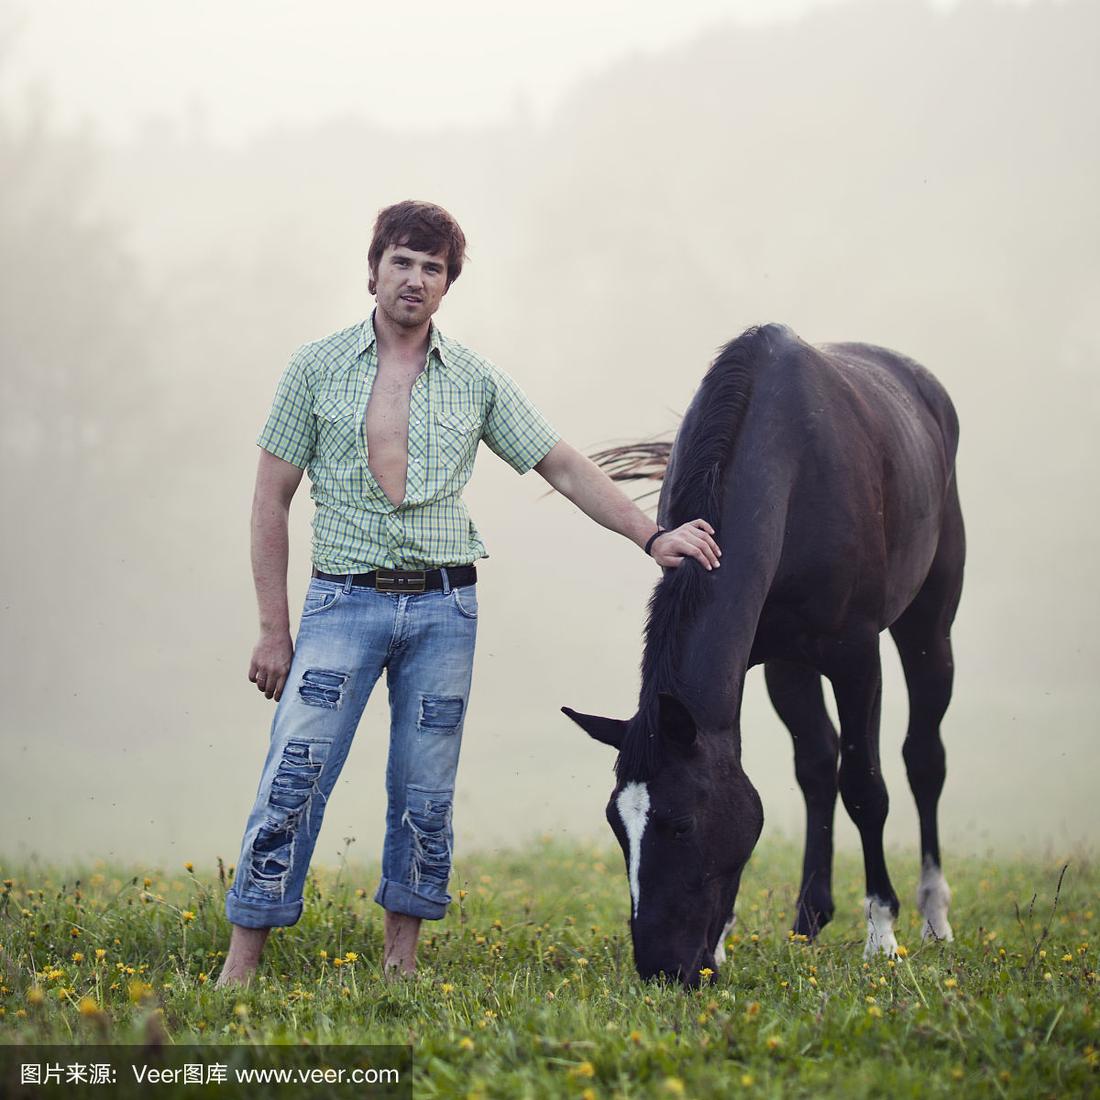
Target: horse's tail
646,460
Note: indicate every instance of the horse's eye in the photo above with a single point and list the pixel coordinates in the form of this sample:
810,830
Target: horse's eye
682,829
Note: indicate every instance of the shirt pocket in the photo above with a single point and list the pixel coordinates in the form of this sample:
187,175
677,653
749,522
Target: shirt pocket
337,429
457,435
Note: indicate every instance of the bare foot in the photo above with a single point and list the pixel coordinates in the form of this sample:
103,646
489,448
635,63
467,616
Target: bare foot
240,976
399,952
245,947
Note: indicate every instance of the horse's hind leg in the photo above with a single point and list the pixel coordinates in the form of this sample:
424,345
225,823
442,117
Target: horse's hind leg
795,692
922,635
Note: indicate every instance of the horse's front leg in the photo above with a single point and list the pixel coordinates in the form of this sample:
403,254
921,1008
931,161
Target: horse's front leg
857,684
795,692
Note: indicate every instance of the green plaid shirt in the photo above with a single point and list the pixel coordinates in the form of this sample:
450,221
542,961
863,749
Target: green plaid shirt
317,422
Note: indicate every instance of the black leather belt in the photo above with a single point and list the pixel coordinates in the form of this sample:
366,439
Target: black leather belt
404,580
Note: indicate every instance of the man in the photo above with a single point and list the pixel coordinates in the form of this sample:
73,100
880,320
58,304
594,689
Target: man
387,417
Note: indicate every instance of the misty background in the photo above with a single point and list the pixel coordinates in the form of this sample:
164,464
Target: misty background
186,196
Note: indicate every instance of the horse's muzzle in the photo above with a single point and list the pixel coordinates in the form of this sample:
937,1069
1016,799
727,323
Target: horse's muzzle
690,975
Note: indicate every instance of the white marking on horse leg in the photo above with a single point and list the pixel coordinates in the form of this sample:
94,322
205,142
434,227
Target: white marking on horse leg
633,806
720,950
880,929
933,898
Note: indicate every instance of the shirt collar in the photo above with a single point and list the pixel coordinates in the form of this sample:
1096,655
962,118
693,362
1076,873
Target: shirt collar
437,342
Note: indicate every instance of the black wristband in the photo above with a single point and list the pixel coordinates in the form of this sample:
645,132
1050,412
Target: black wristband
653,538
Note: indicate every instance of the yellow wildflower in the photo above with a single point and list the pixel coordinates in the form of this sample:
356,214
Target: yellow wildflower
350,956
35,996
189,866
465,1043
674,1085
747,1080
773,1042
187,916
902,951
88,1006
705,973
78,956
950,983
875,1011
101,952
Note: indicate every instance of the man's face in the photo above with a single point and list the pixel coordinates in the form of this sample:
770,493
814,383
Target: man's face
409,285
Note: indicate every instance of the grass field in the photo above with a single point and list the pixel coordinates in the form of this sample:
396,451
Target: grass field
528,987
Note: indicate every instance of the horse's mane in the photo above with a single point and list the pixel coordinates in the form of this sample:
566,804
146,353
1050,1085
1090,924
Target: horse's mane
703,450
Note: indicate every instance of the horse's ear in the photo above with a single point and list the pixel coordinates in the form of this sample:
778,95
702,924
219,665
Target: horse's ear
676,723
608,730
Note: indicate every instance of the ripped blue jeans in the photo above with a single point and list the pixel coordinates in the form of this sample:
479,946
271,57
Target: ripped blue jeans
347,636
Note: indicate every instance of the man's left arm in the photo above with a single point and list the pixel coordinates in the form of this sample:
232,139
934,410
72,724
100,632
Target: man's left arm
594,493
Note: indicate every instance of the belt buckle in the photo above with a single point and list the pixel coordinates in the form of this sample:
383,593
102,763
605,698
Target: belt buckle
397,580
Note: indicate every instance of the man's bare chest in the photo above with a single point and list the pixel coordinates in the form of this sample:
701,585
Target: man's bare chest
387,415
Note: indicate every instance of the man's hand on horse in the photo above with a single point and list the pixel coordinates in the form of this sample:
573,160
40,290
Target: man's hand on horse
691,540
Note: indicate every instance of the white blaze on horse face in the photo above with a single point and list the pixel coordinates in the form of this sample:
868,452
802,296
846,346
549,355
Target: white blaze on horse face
933,898
633,807
720,950
880,929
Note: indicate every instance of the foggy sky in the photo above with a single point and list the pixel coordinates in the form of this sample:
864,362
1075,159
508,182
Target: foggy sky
236,70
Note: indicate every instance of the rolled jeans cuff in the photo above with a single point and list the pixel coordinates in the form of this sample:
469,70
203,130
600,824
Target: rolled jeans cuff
249,915
396,898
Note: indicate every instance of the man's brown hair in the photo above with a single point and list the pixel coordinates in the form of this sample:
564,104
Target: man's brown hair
423,227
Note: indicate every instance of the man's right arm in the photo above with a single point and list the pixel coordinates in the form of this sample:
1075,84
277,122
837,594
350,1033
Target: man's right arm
276,483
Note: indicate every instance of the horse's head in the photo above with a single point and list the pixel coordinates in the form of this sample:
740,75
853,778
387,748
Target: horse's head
687,820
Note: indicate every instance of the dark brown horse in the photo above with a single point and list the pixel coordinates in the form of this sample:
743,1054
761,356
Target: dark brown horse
829,475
